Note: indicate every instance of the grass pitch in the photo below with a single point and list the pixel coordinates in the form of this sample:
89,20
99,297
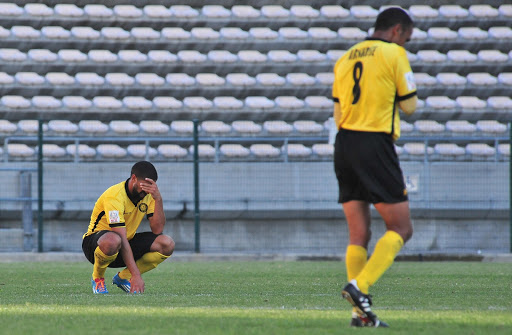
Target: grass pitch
255,298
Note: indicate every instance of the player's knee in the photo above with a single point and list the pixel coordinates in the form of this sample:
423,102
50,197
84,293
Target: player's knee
166,245
110,243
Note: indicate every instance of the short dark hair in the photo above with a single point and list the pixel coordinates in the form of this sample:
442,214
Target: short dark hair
144,169
392,16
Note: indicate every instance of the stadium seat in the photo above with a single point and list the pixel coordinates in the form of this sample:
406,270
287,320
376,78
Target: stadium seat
222,56
209,79
491,127
423,12
300,79
482,79
292,33
197,102
505,10
68,10
42,55
19,150
311,56
308,127
496,102
72,56
245,12
58,78
234,150
12,55
363,12
133,102
115,33
500,32
25,32
323,149
167,103
215,11
87,33
274,11
281,56
492,56
289,102
453,11
29,78
473,33
325,78
483,11
270,79
182,127
304,12
428,126
431,56
227,103
157,11
7,127
461,56
149,79
504,150
440,102
105,102
424,79
264,150
419,35
451,79
83,150
263,33
505,78
51,150
123,127
297,150
204,33
96,10
259,102
119,79
334,12
38,9
31,126
215,127
180,79
460,127
154,127
322,33
277,127
4,33
191,56
352,33
102,56
141,151
45,102
318,102
251,56
127,11
93,126
55,32
246,127
6,79
172,151
111,151
203,150
175,33
162,56
480,150
240,79
184,11
470,102
417,149
145,33
89,78
10,9
442,33
233,33
15,101
449,151
76,102
406,127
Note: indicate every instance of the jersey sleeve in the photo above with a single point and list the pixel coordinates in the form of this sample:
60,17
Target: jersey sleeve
335,96
114,212
406,86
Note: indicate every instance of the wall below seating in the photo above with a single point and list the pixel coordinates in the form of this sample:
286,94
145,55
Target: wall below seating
273,207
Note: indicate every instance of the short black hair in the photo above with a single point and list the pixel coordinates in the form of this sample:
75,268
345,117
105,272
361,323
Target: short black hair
392,16
144,169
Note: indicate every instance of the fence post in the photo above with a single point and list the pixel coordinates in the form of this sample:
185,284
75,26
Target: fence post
197,226
510,187
26,210
40,188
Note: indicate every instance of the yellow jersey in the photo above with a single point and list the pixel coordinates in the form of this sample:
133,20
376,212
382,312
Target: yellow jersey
369,81
115,209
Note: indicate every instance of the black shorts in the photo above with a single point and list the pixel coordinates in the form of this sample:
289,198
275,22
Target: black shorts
367,168
140,244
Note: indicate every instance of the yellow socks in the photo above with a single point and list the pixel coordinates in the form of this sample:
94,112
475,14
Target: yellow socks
382,258
147,262
355,260
101,262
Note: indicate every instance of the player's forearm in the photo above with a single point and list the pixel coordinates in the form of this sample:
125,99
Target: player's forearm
157,222
126,253
409,105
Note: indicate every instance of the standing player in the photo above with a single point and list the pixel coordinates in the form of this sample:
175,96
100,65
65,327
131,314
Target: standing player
111,239
372,80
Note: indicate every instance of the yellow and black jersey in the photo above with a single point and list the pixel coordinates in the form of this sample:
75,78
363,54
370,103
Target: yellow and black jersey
115,209
369,81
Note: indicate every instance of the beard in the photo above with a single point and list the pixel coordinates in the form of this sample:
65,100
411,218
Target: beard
137,196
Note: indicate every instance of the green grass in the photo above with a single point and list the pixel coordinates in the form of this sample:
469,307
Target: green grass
255,298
